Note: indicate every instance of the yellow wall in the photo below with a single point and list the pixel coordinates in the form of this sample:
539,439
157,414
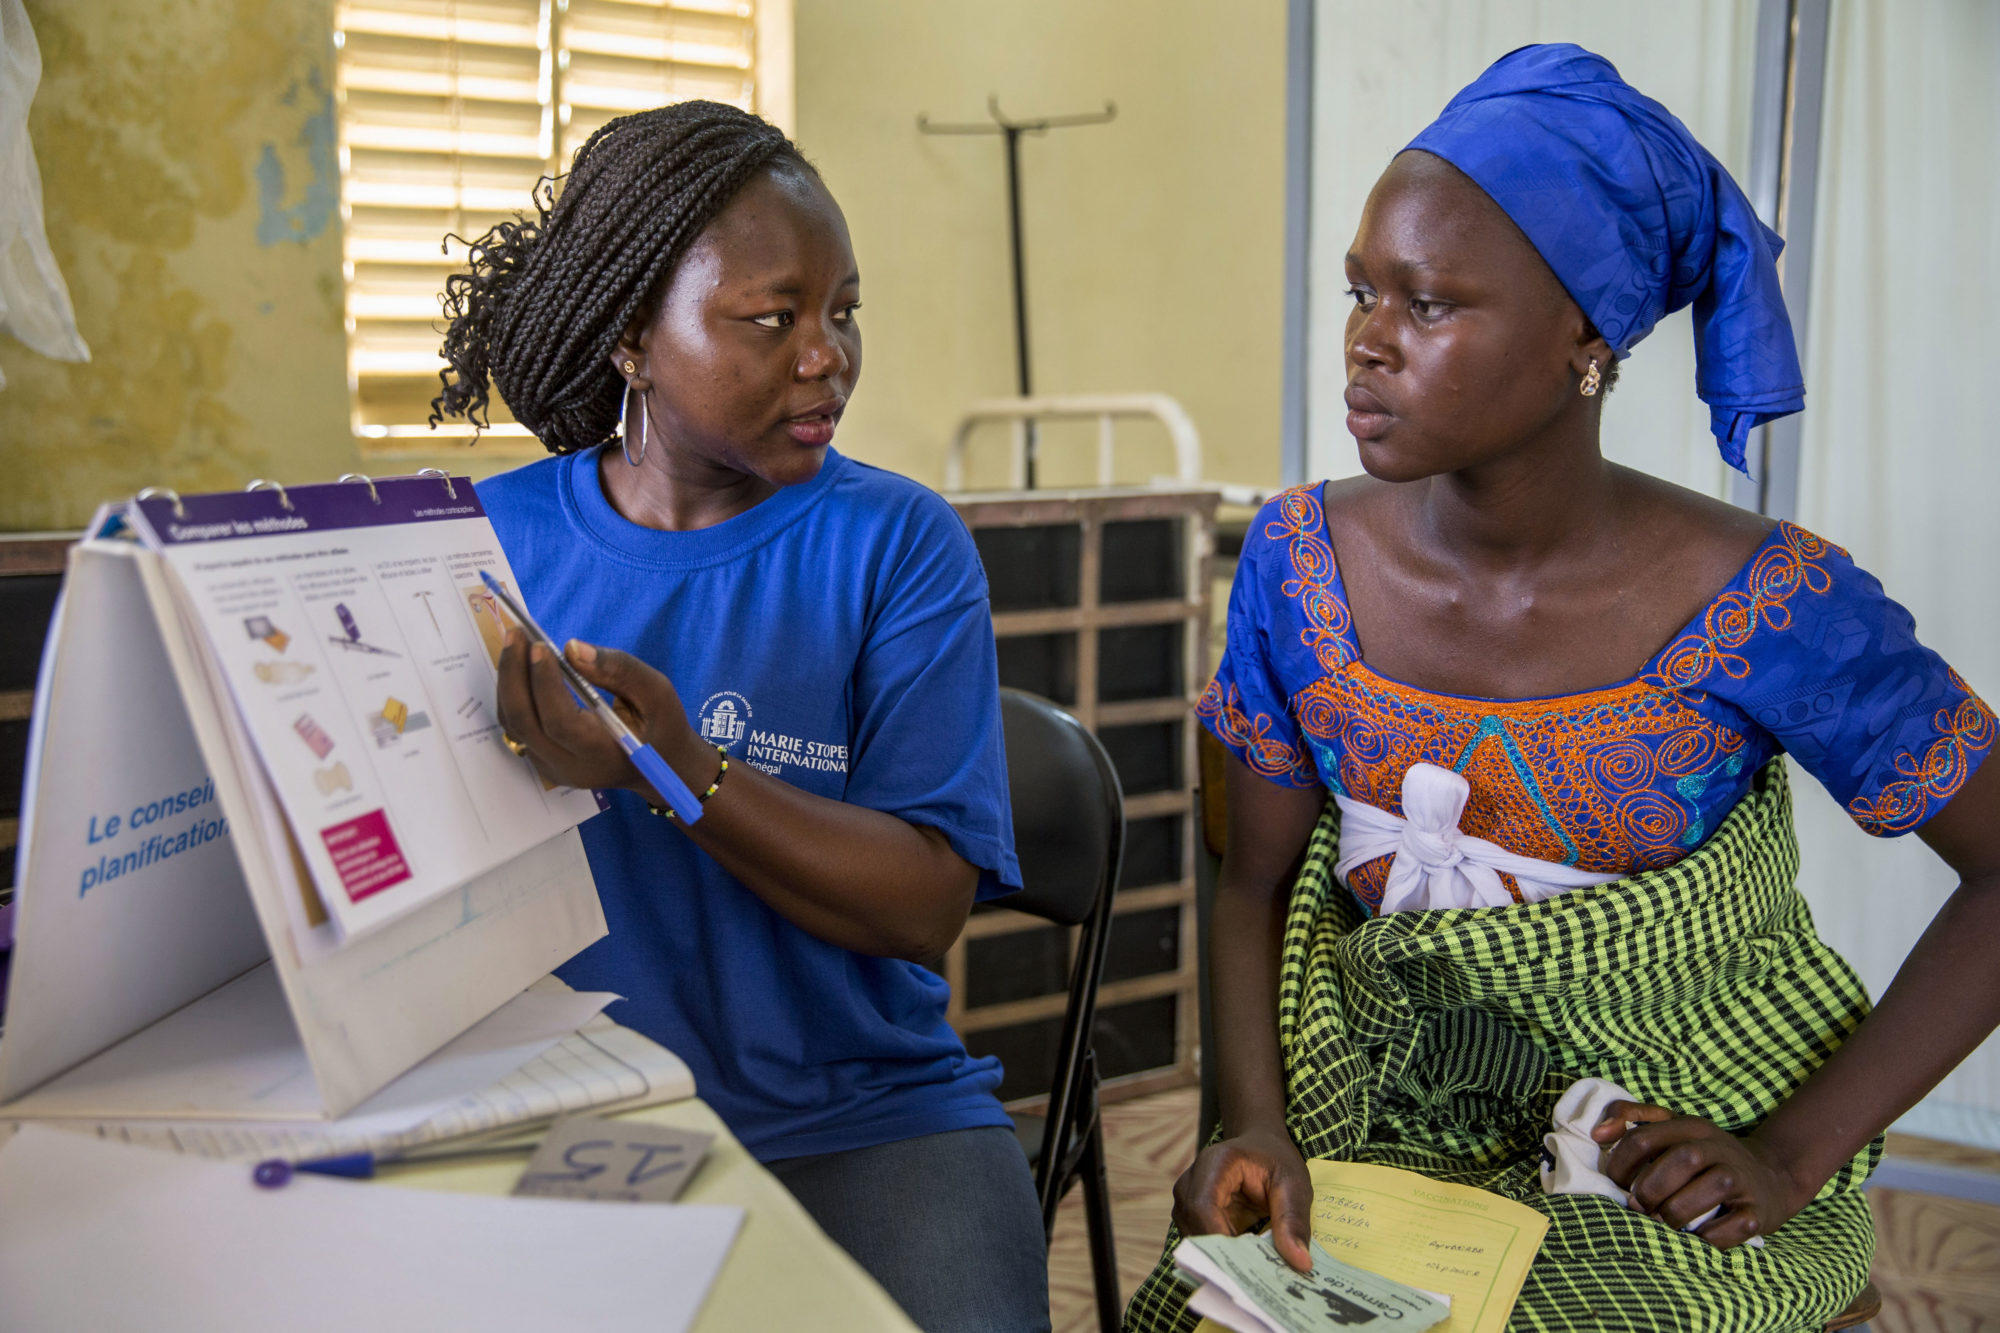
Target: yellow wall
188,173
1155,243
187,163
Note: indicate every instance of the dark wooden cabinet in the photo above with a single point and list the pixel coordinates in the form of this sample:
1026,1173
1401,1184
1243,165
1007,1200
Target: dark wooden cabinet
1101,602
30,577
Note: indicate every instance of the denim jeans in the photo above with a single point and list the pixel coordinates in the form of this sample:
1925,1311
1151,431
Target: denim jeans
947,1223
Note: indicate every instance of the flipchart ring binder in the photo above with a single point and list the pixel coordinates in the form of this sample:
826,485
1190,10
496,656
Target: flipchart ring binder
450,490
262,485
152,492
365,480
273,854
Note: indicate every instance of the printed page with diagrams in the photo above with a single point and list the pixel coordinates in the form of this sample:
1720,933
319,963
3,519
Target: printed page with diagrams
359,646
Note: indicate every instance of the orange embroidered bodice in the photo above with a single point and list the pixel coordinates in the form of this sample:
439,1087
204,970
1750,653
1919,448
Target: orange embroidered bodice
1801,652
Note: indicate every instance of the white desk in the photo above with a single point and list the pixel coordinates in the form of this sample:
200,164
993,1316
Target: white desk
783,1272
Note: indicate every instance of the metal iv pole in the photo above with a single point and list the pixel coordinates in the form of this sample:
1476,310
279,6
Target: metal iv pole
1012,130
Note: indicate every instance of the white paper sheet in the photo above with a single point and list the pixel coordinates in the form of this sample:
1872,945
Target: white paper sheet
103,1236
234,1054
1212,1302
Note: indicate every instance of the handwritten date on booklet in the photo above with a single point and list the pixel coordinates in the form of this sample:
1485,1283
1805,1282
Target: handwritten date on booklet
584,1157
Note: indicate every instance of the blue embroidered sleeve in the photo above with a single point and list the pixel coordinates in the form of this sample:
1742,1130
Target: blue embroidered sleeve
1817,654
1245,705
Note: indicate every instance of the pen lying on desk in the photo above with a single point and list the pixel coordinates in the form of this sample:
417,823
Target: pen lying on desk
276,1171
643,756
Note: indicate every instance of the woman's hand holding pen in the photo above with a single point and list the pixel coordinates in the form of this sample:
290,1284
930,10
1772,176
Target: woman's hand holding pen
855,877
570,746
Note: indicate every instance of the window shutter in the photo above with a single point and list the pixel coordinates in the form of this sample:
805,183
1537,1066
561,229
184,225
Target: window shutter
450,112
621,56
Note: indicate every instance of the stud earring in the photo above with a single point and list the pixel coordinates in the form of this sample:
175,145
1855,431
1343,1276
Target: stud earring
624,438
631,367
1590,381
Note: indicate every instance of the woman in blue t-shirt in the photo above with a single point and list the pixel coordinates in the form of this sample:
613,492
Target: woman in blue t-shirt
805,639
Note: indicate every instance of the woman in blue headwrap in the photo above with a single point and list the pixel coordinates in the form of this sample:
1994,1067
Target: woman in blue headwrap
1519,714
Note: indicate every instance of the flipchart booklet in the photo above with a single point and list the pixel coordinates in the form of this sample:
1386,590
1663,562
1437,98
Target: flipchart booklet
267,797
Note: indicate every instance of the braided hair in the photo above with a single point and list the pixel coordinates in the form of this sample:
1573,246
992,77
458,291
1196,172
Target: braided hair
547,299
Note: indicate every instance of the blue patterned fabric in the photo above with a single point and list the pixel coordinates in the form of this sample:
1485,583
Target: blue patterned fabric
1801,652
1636,218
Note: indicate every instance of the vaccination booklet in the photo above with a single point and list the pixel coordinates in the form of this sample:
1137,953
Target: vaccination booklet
264,737
1467,1249
1244,1284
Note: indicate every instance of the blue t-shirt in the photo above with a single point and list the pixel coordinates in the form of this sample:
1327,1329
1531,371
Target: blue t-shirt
838,636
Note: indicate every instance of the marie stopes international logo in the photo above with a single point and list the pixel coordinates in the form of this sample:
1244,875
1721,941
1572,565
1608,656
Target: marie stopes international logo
724,718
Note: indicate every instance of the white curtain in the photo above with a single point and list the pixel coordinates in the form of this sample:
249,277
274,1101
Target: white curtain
1383,72
1900,456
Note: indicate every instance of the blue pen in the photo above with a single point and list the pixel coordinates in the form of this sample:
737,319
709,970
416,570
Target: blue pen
274,1172
643,756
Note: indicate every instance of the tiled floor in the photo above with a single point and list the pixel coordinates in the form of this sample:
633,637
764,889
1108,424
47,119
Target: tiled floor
1148,1142
1937,1261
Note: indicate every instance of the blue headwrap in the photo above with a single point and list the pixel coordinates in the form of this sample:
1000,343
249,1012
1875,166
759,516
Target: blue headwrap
1636,218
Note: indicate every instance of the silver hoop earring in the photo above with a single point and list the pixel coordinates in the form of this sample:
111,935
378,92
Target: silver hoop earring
624,435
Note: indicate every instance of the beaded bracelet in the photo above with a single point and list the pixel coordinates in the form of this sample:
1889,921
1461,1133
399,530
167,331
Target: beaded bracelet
713,787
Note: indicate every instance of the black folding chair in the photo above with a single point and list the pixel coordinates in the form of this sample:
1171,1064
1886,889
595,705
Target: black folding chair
1069,832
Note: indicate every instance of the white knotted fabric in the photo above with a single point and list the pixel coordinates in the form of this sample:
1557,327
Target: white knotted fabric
1573,1162
1435,865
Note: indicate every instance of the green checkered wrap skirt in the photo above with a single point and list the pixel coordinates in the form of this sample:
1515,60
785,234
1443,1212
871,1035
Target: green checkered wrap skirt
1439,1042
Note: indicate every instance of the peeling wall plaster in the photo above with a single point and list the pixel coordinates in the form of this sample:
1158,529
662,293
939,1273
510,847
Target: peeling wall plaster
319,202
191,188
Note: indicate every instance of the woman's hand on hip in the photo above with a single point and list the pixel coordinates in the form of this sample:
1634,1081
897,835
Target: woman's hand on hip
1680,1167
1241,1181
568,744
